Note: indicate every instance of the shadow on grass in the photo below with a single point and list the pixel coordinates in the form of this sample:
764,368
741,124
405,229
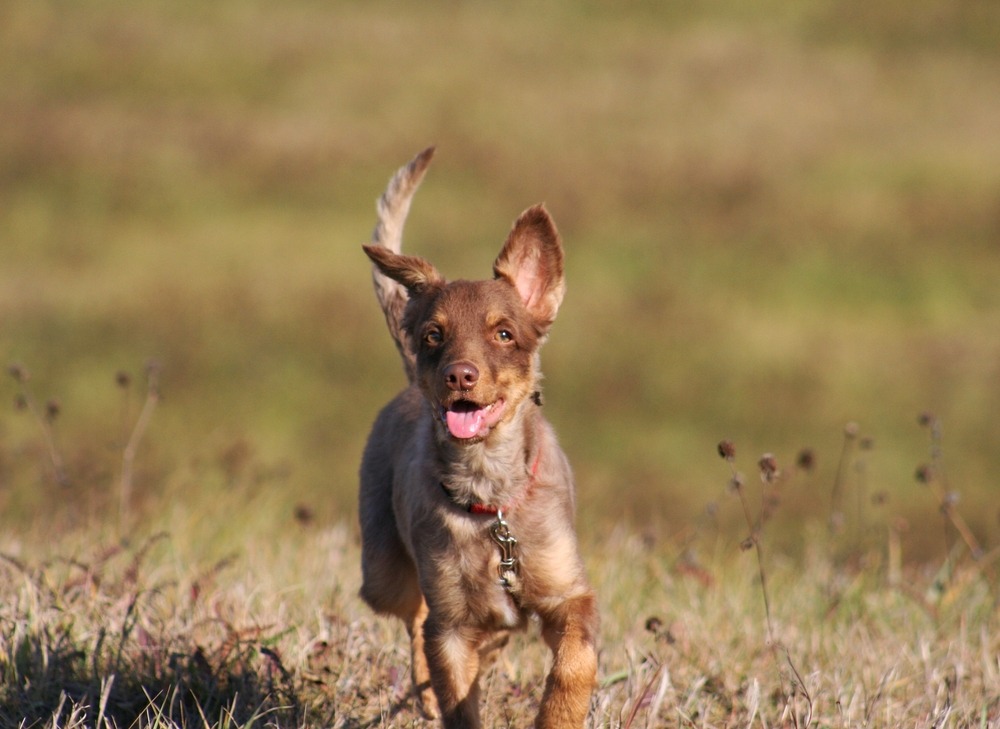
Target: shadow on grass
60,689
81,647
105,641
97,643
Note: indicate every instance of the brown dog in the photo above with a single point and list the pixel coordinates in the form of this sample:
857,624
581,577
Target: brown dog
466,498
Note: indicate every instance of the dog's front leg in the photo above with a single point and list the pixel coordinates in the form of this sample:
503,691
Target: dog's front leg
453,659
422,688
570,632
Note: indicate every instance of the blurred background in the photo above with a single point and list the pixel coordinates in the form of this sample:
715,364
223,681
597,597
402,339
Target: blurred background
779,217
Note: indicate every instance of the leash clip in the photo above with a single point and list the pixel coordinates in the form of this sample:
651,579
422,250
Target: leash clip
507,569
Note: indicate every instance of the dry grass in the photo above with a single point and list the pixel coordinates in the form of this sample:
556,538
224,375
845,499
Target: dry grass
104,634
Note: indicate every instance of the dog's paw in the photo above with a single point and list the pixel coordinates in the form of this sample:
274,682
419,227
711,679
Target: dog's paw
427,702
428,705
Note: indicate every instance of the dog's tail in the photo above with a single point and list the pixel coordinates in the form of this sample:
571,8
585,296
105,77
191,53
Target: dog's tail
393,207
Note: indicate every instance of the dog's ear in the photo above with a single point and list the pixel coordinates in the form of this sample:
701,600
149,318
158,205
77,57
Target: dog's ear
532,261
413,272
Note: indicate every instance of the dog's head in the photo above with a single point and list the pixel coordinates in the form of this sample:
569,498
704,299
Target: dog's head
476,342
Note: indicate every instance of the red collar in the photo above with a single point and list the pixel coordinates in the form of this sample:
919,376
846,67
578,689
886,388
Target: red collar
477,507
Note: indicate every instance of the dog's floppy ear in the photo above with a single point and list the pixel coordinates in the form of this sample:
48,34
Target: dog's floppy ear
532,261
413,272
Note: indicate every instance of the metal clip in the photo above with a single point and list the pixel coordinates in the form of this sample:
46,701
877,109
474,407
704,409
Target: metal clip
508,556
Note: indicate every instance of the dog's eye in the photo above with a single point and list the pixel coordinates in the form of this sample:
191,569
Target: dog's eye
504,336
433,337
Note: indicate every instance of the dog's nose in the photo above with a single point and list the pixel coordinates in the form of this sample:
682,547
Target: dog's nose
461,376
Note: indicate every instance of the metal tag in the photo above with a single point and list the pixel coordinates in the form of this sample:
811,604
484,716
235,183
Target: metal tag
508,551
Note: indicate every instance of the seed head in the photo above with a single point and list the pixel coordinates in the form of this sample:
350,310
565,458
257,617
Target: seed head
807,459
768,467
736,482
727,449
926,419
304,514
924,474
123,379
18,372
52,410
851,430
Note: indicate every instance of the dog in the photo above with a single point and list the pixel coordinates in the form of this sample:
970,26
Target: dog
466,500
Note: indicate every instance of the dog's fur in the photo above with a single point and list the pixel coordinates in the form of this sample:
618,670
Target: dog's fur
465,438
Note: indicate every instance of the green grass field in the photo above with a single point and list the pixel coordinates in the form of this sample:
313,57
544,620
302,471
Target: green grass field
780,219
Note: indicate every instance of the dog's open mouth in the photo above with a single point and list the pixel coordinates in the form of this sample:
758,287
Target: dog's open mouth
466,419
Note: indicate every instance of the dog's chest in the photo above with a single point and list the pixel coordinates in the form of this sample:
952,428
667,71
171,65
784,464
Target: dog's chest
476,585
504,613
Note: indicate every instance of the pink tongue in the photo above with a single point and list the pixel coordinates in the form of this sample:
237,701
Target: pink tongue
465,424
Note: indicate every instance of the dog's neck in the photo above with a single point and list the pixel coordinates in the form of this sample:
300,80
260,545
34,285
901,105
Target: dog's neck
497,470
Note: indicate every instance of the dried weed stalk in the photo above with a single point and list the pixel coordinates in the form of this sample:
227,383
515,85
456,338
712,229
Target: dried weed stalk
46,420
138,430
933,475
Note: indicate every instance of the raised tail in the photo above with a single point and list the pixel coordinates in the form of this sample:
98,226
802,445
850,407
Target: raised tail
393,207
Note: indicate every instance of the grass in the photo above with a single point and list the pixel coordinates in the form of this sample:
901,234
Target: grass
108,633
227,616
801,213
779,219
